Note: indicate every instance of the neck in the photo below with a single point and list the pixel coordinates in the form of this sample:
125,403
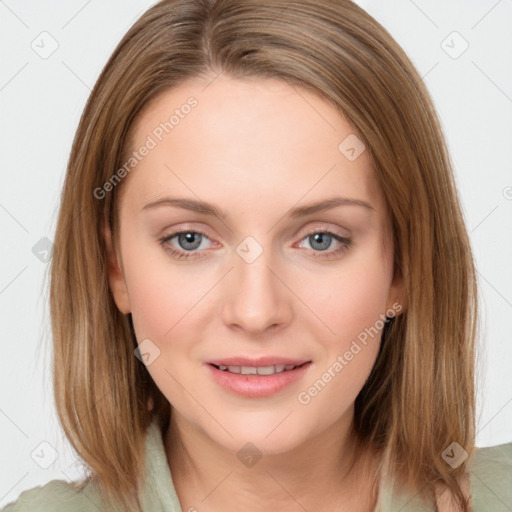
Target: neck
334,467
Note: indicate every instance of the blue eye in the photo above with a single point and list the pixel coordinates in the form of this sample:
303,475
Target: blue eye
320,241
189,242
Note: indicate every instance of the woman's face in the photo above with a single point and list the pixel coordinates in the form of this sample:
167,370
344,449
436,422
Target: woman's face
282,260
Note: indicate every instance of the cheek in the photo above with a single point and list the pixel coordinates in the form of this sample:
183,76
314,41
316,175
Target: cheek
352,303
153,301
161,291
356,313
164,306
353,298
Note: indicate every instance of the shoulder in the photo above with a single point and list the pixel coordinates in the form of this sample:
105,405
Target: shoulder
490,473
57,496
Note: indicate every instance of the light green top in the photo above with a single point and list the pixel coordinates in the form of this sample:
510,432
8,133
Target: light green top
490,479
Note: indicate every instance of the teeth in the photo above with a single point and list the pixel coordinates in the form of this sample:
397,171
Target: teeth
260,370
266,370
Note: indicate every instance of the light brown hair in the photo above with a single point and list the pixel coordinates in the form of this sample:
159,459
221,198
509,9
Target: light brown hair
419,397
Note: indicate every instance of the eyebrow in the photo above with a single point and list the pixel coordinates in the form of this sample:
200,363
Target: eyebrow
301,211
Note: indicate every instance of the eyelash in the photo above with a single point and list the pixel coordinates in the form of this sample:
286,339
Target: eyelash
180,255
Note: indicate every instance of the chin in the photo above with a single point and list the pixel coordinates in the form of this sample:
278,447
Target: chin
271,433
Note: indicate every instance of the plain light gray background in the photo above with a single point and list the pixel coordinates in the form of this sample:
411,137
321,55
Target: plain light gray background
42,97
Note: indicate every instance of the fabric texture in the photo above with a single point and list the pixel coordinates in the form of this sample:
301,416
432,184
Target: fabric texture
490,479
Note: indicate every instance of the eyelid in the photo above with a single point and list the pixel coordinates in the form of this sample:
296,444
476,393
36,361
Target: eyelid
322,229
180,231
172,231
180,254
344,243
302,233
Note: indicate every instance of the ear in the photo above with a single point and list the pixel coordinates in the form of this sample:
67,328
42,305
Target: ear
115,273
397,298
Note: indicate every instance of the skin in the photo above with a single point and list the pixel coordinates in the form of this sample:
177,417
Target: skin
256,149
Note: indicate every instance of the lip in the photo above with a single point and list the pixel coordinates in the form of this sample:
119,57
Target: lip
256,386
257,361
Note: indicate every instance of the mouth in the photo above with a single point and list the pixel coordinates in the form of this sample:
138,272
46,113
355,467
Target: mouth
257,378
258,370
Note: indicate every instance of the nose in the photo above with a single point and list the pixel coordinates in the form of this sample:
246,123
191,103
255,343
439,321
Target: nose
257,298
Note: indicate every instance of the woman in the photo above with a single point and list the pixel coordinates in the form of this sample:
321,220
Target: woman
262,289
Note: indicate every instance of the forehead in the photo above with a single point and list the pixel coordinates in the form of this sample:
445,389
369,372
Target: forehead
249,141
